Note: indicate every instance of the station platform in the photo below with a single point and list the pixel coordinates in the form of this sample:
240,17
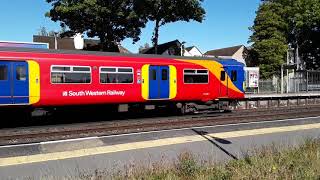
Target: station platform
283,96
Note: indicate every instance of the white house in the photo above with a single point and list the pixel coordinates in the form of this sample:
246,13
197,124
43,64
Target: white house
192,51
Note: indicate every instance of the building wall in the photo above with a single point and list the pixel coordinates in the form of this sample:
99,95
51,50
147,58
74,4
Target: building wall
195,52
239,55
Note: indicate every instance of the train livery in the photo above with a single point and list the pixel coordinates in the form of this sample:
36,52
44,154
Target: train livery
50,78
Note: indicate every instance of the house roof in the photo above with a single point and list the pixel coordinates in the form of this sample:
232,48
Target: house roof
189,48
68,44
229,51
161,47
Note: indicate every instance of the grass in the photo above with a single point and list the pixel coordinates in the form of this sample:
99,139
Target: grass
269,162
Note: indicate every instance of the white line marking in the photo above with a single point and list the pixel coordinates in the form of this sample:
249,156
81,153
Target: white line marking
150,132
69,140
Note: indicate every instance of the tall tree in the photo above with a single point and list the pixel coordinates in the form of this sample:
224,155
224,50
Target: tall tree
306,31
110,20
282,22
270,32
168,11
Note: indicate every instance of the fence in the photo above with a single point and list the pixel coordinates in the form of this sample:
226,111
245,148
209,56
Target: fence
295,82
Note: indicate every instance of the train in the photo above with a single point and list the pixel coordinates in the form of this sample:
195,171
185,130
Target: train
42,78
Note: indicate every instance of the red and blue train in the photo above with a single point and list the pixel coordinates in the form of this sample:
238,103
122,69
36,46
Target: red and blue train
37,78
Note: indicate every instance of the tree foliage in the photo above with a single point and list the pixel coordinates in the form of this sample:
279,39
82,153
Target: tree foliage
270,38
282,22
168,11
110,20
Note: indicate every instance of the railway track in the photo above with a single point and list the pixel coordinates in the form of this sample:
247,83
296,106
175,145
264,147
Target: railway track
59,132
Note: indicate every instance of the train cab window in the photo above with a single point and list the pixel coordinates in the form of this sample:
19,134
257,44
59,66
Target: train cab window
116,75
3,72
222,76
164,74
199,76
70,74
21,73
234,75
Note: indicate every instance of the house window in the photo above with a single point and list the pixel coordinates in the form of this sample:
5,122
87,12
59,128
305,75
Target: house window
116,75
196,76
70,74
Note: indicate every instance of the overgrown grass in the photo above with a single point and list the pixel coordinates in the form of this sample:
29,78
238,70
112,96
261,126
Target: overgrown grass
271,162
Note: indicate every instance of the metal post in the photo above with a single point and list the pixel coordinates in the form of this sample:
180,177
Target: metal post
287,80
281,78
55,41
307,81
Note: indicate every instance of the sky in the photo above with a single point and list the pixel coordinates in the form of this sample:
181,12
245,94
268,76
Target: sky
226,24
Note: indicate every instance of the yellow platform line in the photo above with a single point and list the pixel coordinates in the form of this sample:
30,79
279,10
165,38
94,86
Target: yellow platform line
10,161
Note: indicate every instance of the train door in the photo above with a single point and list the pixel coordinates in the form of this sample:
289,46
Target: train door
159,85
223,83
14,83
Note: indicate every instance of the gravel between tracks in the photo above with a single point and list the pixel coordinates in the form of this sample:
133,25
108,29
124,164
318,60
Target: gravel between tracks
67,131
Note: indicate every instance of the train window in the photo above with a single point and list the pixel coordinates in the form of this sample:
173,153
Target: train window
202,71
200,76
70,75
189,71
81,69
116,75
124,70
222,76
164,74
234,75
3,72
108,70
21,73
60,68
153,74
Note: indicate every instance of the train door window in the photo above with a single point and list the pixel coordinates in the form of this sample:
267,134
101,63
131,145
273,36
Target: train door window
70,74
164,74
116,75
234,75
153,74
3,72
199,76
21,73
223,76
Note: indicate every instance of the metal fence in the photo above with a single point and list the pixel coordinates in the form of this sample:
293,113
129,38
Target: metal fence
294,82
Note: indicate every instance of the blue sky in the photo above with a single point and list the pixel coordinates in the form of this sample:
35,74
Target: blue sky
226,24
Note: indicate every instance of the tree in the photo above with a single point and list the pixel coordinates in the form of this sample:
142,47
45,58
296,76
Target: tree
282,22
111,21
270,31
306,31
168,11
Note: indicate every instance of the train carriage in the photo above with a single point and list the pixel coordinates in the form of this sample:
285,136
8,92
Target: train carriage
49,78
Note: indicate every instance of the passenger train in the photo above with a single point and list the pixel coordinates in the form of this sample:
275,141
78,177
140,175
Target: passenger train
34,78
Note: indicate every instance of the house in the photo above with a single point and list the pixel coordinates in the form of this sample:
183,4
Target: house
235,52
67,43
174,48
193,51
169,48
